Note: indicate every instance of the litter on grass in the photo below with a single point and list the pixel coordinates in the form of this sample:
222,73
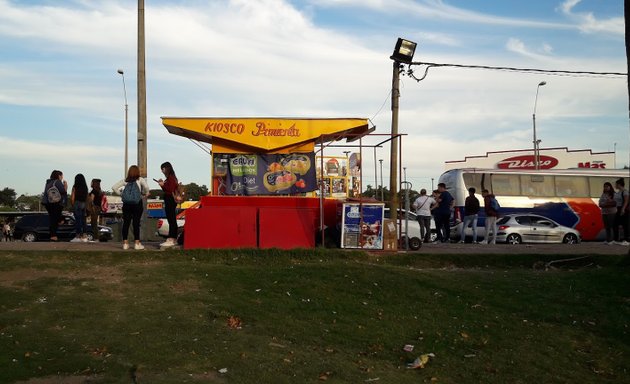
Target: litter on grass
421,361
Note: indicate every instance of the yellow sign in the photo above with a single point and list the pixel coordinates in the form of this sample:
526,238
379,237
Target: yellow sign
266,134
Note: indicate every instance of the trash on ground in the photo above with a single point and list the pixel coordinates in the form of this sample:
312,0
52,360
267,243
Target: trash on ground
421,361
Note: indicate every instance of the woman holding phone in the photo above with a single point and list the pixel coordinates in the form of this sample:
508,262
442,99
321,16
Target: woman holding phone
169,186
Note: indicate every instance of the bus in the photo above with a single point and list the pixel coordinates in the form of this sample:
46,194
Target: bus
569,196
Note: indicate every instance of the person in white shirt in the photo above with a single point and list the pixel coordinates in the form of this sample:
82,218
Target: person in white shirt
423,205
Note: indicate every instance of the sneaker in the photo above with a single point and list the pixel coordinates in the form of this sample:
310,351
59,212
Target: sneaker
167,243
609,242
461,241
125,246
76,240
624,243
138,246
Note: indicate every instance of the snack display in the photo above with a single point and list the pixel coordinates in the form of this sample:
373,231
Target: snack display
275,167
296,163
279,180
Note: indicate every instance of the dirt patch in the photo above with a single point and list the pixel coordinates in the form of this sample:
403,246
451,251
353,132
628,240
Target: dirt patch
61,380
109,275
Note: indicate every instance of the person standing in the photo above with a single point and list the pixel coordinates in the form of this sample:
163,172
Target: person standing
132,189
490,207
609,211
78,199
443,213
422,205
169,186
471,213
621,198
54,198
94,201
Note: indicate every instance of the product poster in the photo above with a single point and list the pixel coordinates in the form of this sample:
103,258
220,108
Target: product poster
362,226
268,174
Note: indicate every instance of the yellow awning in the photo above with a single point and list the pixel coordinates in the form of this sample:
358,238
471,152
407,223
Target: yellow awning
262,134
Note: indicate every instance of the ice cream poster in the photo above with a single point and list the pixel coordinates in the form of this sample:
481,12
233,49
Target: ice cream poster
268,174
362,226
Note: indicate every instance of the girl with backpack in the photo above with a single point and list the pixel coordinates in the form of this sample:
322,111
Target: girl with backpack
132,190
169,186
54,199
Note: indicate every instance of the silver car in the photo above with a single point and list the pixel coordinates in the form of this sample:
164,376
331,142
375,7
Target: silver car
519,228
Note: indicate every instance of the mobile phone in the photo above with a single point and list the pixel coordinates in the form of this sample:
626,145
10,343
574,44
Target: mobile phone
157,181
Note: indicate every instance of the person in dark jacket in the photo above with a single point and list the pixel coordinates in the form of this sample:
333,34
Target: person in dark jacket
471,213
442,214
491,216
94,199
169,186
55,208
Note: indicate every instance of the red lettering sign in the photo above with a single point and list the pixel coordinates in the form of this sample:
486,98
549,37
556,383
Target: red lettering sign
528,162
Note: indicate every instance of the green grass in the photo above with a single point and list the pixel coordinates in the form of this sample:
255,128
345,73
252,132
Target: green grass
306,316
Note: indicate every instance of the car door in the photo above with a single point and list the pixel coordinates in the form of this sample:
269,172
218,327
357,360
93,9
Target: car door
528,234
66,229
547,230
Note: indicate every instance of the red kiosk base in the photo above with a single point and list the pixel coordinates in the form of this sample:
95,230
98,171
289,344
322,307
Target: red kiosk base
256,222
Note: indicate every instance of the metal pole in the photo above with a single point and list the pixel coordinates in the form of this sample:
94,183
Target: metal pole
536,141
122,73
382,193
393,161
142,111
375,177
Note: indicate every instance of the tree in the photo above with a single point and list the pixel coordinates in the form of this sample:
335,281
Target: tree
194,191
7,197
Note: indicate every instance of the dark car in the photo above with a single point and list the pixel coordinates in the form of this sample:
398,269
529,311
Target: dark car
35,227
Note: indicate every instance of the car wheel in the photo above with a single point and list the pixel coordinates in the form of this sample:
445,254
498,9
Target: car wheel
29,237
433,236
415,243
513,238
570,238
89,236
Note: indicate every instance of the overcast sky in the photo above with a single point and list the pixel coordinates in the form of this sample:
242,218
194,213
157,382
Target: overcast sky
62,101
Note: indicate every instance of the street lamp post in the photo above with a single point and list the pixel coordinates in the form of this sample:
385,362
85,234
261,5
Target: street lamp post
536,141
382,193
403,53
122,73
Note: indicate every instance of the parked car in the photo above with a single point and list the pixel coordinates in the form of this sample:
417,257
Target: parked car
528,228
413,231
163,227
35,227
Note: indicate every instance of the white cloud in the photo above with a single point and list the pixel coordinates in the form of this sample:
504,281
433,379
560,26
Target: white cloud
587,22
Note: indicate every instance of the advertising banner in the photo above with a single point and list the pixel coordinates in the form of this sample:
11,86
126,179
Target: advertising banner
266,174
362,226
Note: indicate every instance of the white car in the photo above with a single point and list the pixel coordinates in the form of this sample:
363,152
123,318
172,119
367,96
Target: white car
163,227
412,229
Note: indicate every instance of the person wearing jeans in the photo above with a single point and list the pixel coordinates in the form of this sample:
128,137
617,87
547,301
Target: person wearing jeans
491,217
132,211
423,205
471,213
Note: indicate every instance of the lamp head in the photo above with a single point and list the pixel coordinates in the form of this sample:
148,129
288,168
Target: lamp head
404,51
121,72
542,83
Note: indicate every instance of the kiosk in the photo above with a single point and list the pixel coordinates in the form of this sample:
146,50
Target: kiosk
263,179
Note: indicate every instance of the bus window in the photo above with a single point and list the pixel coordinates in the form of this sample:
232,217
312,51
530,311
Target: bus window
473,180
505,185
537,185
596,184
572,186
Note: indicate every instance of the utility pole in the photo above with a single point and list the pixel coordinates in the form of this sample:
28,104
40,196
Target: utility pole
142,95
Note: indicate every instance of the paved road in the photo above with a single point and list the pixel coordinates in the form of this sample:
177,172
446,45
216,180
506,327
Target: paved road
595,248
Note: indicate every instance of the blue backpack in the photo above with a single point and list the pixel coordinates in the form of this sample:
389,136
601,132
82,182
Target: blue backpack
131,193
494,204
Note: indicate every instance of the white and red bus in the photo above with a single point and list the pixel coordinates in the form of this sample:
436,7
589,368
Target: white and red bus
569,196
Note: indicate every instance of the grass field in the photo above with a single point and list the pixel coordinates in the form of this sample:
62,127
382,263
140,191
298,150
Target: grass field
310,316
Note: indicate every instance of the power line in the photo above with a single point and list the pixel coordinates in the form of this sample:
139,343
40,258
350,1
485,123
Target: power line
512,69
